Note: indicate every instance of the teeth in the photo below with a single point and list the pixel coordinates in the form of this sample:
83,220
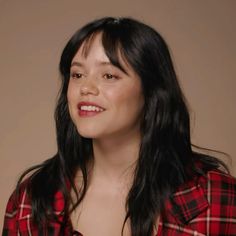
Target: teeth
90,108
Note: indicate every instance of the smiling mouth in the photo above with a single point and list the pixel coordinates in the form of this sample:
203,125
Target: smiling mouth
91,108
88,111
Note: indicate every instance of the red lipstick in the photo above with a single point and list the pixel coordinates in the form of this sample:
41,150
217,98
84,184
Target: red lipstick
88,109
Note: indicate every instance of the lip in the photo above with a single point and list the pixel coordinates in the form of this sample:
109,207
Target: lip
83,113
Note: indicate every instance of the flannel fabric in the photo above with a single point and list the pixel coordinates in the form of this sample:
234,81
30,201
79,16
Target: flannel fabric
206,206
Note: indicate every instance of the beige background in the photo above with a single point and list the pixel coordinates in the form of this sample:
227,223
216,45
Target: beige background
201,35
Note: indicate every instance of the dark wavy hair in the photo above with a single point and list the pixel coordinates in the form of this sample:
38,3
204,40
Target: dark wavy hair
166,159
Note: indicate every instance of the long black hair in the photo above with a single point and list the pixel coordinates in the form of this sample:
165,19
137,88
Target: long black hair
166,159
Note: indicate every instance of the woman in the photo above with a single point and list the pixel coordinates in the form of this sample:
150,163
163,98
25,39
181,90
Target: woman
125,165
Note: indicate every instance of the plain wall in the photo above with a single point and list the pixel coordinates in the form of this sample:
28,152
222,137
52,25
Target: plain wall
201,35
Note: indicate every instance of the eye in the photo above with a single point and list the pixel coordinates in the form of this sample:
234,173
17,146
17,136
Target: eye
76,75
110,76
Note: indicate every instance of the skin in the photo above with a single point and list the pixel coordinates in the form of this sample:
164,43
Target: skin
115,134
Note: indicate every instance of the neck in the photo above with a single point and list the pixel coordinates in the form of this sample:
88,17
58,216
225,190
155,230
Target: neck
115,159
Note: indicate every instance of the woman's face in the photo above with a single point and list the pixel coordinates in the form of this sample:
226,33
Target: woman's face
103,101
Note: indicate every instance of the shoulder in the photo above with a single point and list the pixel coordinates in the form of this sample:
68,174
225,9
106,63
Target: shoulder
18,214
220,192
219,187
18,208
206,205
18,199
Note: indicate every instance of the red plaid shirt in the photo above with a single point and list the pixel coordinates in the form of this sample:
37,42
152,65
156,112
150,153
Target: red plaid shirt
205,207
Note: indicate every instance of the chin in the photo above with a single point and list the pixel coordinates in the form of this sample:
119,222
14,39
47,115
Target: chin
87,133
87,136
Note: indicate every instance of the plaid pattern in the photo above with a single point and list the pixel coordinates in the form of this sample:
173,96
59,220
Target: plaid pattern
206,206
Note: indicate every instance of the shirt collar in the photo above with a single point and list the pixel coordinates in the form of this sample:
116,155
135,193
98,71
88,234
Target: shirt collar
187,203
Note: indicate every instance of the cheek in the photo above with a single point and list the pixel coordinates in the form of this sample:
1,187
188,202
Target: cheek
72,101
71,94
117,98
128,100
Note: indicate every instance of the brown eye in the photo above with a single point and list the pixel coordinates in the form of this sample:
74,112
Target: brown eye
76,75
110,76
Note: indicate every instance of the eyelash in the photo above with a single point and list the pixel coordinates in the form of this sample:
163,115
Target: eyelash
76,75
109,76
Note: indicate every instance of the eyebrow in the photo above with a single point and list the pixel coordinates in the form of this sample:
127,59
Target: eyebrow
100,63
103,63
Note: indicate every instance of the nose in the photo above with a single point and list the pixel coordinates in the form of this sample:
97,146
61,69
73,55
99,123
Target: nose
89,87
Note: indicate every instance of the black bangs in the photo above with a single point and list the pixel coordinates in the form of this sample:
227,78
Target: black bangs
112,45
87,43
114,36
